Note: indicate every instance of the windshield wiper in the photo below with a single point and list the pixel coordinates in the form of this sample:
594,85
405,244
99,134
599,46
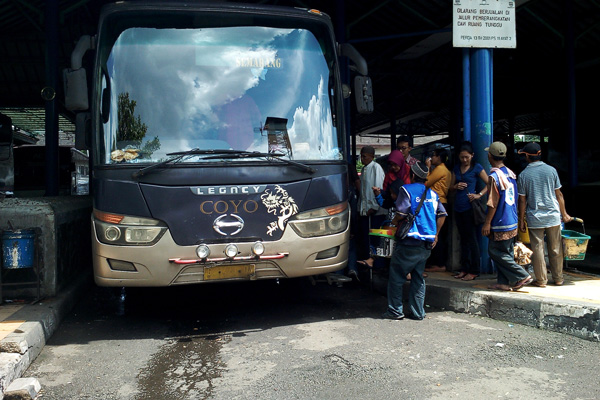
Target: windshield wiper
268,156
178,156
220,154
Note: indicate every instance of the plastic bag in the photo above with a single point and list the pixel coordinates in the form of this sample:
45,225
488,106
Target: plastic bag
522,254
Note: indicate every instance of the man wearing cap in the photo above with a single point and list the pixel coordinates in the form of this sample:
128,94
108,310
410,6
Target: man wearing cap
411,253
501,222
542,205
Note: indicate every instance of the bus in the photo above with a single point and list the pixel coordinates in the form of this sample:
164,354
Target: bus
217,141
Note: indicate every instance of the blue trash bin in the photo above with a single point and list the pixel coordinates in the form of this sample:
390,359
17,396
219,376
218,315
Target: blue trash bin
18,249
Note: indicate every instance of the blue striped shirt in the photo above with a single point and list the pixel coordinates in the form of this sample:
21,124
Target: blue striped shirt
538,183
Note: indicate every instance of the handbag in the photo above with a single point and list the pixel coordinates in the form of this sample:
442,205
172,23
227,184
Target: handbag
408,222
479,208
479,211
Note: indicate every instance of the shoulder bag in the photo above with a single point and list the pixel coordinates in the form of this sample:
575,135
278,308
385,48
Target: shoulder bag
479,211
478,206
408,222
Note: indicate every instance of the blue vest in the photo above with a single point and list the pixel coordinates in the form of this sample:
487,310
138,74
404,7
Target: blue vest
425,226
506,217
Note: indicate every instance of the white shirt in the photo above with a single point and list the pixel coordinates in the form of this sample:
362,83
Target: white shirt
372,175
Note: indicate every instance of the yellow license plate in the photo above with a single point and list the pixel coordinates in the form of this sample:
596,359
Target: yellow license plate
228,271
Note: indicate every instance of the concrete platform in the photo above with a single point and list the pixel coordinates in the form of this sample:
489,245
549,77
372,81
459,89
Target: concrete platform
26,327
572,309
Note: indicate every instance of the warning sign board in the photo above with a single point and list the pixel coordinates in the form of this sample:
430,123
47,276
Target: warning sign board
484,23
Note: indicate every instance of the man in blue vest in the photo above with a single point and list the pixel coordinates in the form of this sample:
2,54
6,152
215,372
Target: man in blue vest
501,222
412,252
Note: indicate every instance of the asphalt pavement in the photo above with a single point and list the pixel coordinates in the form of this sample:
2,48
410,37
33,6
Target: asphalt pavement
573,308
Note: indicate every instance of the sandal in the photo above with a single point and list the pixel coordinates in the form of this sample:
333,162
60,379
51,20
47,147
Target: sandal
435,268
469,277
499,286
460,275
522,283
559,283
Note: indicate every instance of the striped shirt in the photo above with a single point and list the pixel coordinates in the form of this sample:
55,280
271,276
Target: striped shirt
538,183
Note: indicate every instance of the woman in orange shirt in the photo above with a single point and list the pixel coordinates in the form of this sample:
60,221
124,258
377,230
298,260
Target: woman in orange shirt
439,181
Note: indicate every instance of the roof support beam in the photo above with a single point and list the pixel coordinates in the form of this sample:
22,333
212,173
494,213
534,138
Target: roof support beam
547,25
40,15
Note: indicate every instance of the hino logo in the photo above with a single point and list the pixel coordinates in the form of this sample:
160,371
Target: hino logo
235,189
221,223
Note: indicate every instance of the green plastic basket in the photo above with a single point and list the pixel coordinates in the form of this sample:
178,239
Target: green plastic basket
574,244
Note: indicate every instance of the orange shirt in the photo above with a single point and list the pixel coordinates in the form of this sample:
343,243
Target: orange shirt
439,180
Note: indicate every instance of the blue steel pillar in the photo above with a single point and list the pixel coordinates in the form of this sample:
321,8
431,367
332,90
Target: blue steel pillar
481,122
571,96
466,65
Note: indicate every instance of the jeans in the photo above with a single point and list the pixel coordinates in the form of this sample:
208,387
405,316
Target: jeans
470,258
407,259
502,253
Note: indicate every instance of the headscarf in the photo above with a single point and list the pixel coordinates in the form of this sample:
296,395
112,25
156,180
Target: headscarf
396,157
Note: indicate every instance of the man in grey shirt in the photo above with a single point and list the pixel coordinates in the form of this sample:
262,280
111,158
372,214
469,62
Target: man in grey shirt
542,205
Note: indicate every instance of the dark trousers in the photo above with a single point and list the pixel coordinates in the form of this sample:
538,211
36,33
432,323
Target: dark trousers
503,254
470,257
439,254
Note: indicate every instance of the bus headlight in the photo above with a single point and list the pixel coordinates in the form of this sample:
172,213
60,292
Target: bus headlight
231,250
258,248
202,251
322,221
112,233
126,230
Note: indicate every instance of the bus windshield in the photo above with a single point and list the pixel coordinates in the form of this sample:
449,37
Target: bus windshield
246,88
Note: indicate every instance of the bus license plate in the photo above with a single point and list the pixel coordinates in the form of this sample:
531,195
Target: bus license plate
228,271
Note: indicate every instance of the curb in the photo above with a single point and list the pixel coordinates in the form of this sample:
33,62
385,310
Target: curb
574,318
21,347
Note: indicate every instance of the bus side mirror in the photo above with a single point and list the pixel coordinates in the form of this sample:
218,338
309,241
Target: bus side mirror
75,78
76,91
347,50
363,92
105,108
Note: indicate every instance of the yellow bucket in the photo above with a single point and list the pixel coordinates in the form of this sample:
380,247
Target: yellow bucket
524,236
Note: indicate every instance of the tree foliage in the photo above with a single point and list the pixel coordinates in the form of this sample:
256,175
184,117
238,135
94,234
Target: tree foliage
131,129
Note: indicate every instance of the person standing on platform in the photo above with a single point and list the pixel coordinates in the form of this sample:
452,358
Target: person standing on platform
403,144
411,253
371,214
464,183
439,180
541,210
501,222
